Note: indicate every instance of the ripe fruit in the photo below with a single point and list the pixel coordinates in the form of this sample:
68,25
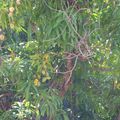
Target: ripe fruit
36,82
11,9
18,2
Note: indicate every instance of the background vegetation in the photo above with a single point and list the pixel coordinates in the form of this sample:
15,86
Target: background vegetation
59,59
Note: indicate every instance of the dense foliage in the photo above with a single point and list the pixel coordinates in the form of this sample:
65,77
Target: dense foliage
59,59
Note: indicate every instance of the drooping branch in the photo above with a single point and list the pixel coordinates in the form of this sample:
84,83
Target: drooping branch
82,53
68,75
